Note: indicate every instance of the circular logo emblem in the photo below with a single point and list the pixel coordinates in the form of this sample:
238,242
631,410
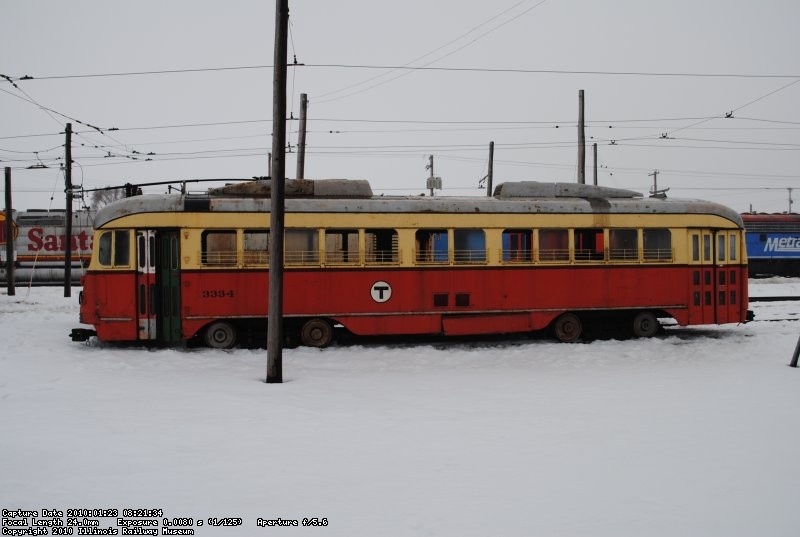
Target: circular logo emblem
381,291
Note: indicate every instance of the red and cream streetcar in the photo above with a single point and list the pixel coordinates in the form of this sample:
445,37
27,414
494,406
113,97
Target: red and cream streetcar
174,268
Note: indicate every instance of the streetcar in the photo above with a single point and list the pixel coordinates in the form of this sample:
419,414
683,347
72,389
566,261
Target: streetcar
773,244
180,268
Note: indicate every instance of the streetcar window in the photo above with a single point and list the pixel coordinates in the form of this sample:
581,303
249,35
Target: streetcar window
553,244
706,247
152,244
517,245
431,245
695,247
623,244
470,246
114,249
588,244
732,255
256,246
141,244
657,244
218,247
122,248
301,246
721,247
104,248
341,246
381,246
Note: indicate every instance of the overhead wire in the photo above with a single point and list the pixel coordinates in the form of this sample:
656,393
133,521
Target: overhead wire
679,74
321,98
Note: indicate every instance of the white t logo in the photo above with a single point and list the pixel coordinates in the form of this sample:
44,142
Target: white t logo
381,291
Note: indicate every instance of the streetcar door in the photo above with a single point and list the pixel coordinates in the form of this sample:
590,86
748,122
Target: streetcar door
146,284
168,284
710,279
728,276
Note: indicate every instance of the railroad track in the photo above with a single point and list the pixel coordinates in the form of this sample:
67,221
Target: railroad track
773,298
764,316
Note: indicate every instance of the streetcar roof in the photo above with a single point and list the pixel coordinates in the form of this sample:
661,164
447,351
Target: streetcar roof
519,198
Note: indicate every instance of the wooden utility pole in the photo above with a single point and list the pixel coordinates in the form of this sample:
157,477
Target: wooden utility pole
278,178
490,174
594,151
431,178
433,182
301,138
581,141
68,217
656,193
10,283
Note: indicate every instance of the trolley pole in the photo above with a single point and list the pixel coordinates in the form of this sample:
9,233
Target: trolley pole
68,217
301,138
594,151
9,237
278,175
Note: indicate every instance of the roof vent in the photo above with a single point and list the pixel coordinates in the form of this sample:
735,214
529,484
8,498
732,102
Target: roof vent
536,189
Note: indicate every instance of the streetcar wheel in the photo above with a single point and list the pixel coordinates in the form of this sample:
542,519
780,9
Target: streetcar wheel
316,333
220,335
645,324
568,328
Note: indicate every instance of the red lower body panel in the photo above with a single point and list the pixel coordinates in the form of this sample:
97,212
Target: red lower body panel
436,300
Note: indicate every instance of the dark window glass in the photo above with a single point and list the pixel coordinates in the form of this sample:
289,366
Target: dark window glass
469,246
432,246
657,244
381,246
517,245
589,244
301,246
104,248
623,244
256,247
341,246
218,247
553,245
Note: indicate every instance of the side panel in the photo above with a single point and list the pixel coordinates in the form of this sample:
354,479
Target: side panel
109,304
449,300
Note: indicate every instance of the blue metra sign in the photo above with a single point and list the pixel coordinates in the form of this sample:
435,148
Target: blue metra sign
773,245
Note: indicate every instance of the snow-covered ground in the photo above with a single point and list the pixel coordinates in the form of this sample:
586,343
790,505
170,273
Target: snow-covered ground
696,432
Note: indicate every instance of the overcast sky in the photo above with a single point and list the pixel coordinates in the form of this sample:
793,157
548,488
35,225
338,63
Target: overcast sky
507,71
